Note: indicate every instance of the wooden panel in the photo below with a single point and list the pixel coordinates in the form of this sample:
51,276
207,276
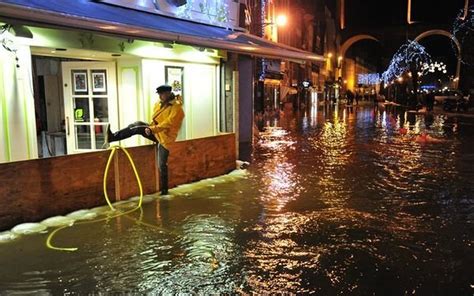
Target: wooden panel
144,159
36,189
198,159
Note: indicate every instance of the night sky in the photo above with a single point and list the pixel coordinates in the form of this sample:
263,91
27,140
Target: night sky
393,12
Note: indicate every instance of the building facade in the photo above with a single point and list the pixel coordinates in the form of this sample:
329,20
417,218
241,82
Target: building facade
310,26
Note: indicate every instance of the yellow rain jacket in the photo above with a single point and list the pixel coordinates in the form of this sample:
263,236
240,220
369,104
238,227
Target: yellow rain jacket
167,121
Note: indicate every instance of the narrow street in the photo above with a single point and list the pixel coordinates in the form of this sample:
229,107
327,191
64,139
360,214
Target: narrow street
333,202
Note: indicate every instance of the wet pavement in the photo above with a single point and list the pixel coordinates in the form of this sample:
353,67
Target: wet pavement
336,201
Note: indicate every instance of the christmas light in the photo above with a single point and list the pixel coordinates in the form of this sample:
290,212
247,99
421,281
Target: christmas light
463,31
409,55
263,20
368,79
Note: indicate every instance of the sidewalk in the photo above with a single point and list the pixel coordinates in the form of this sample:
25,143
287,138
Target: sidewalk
438,110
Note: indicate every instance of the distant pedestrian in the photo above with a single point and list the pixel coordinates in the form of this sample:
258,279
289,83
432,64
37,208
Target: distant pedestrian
350,97
357,97
430,101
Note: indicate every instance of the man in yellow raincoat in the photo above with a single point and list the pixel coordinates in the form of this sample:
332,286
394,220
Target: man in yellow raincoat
163,129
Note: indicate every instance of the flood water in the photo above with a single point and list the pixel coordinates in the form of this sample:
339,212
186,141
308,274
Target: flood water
335,202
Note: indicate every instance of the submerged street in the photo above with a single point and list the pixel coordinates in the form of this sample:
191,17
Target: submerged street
335,201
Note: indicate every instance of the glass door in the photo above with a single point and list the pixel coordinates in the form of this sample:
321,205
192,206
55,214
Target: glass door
90,102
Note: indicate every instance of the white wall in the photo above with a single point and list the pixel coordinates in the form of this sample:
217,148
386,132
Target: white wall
201,101
130,98
199,96
17,115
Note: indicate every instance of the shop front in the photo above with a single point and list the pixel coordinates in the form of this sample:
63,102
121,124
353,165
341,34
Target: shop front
70,85
67,71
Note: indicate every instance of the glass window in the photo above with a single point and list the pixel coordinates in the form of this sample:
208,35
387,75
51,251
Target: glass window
83,137
226,100
81,110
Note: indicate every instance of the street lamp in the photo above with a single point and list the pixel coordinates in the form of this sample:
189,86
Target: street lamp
280,21
339,62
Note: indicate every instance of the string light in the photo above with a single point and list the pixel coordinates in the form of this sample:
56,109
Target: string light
432,67
368,79
262,21
411,54
463,31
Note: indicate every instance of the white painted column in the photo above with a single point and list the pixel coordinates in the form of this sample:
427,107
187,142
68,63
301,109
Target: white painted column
130,98
18,131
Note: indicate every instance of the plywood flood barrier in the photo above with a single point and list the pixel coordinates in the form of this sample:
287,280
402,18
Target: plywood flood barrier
33,190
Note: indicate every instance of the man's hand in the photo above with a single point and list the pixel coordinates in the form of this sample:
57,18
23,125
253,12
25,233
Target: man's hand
153,128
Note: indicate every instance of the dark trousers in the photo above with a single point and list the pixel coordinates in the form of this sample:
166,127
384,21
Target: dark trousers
163,154
138,128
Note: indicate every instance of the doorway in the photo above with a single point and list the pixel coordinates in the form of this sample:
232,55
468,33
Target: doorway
90,95
73,100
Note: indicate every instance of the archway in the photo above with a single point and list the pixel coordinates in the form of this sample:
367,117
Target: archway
450,36
349,42
343,67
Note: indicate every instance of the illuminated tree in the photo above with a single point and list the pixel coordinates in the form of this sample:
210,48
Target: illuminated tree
409,58
463,31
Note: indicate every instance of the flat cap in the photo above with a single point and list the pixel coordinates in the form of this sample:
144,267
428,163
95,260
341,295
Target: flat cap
163,88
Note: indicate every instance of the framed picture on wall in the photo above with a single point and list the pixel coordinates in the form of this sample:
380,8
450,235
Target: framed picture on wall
80,81
174,78
98,81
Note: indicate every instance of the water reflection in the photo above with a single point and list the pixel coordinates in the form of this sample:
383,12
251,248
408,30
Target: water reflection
280,182
208,253
374,190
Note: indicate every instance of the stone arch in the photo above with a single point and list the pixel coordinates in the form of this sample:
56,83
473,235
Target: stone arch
343,49
349,42
450,36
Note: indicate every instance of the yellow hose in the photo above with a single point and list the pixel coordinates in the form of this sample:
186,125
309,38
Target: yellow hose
112,153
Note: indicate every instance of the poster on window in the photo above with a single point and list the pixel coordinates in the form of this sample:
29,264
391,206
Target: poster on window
98,82
80,81
174,78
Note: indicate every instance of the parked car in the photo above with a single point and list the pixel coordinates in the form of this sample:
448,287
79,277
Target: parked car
440,97
456,104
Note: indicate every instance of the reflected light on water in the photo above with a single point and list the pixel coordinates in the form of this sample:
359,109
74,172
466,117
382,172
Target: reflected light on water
279,179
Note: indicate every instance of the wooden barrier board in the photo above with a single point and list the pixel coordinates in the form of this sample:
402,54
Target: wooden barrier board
33,190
